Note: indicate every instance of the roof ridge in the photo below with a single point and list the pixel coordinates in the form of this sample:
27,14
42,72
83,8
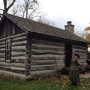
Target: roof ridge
33,21
37,27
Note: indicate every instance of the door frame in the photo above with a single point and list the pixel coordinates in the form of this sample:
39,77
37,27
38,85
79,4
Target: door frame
68,54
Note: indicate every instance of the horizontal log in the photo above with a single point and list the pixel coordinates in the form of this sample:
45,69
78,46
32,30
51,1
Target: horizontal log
12,64
48,46
34,51
19,35
40,62
83,57
2,40
37,66
18,50
83,54
45,68
19,47
18,60
2,49
18,53
47,62
47,57
13,69
18,57
2,43
47,42
12,73
16,68
41,72
60,64
42,68
60,67
79,47
2,60
43,45
13,36
80,50
19,39
2,46
23,39
2,57
2,54
59,61
23,43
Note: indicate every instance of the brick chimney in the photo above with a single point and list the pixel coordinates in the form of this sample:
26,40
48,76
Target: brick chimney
69,27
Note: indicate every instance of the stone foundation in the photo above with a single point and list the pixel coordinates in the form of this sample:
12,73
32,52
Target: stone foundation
11,75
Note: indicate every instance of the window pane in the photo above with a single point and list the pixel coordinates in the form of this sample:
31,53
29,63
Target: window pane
8,49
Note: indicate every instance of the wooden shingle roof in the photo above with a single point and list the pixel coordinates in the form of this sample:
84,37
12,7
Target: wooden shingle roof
40,28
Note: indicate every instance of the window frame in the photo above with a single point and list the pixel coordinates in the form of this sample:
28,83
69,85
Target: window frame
8,50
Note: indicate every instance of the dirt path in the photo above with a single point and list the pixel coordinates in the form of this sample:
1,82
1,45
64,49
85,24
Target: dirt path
86,75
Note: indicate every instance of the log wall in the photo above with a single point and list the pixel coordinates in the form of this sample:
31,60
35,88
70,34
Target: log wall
18,55
46,56
82,51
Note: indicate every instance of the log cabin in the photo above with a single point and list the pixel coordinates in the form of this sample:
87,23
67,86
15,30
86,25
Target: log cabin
29,48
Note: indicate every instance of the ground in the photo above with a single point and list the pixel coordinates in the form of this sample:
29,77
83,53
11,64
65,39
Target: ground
50,83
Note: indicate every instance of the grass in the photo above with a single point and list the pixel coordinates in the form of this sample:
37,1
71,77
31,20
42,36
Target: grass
52,83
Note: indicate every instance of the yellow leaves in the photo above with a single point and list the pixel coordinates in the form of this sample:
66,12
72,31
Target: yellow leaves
88,37
88,33
65,81
63,86
83,87
88,45
57,85
87,28
62,83
57,80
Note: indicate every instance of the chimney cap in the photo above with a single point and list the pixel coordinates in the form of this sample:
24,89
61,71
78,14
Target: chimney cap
69,22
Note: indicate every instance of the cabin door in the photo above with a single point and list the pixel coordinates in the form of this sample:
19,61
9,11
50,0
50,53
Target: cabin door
68,54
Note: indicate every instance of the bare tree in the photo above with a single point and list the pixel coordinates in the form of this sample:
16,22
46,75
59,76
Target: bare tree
44,20
80,33
28,8
6,6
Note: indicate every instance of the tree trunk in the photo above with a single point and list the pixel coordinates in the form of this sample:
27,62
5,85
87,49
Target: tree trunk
5,6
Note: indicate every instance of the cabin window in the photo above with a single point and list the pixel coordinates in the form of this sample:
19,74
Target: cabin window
8,49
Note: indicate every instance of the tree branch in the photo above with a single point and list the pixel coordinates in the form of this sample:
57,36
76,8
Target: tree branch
11,5
5,4
1,9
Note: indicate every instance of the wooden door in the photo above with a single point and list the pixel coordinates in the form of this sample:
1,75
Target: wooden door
68,54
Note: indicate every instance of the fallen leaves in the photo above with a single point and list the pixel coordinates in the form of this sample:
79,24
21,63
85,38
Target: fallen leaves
63,83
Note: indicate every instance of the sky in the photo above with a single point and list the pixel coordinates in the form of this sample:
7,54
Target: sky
61,11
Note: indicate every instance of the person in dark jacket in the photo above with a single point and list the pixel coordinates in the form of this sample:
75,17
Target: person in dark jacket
74,71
